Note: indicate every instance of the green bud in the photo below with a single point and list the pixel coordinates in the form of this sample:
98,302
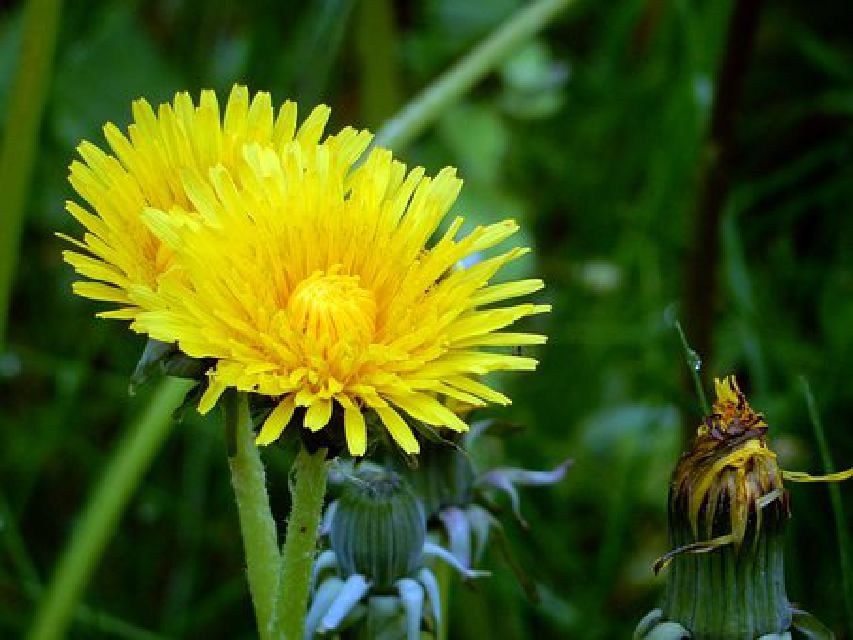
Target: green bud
378,529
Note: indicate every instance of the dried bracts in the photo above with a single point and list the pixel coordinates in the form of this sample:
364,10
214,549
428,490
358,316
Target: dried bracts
728,508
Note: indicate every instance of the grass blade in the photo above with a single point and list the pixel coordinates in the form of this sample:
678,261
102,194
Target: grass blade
20,144
841,529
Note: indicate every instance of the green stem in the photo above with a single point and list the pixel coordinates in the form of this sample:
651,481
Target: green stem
841,529
425,108
444,577
694,363
257,526
20,146
307,491
100,517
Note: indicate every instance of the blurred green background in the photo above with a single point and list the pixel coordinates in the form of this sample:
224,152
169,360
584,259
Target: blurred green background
595,136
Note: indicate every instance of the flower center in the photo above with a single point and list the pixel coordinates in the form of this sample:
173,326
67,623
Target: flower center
330,307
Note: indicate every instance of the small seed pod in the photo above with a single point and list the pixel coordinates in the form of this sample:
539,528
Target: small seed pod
378,529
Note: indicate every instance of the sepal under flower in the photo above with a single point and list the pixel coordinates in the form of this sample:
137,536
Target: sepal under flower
165,358
458,498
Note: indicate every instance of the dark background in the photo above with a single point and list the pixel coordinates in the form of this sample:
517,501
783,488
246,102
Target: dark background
595,136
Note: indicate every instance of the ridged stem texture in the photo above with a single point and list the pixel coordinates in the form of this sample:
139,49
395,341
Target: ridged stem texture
257,526
731,593
308,489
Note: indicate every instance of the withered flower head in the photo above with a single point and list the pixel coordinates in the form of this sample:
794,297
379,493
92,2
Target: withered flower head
730,475
727,513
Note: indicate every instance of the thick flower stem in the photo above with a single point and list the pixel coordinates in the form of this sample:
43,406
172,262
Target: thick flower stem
308,489
100,518
257,525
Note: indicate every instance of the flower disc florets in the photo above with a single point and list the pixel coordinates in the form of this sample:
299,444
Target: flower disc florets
304,277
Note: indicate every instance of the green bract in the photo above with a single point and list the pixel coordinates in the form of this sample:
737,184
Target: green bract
378,529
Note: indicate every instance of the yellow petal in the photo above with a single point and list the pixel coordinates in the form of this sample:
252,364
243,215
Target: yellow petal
802,476
478,389
276,421
398,429
429,410
211,395
356,432
235,110
100,291
506,290
501,339
312,129
125,313
318,415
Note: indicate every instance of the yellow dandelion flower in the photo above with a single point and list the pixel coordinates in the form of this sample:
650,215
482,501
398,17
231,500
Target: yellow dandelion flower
119,256
314,281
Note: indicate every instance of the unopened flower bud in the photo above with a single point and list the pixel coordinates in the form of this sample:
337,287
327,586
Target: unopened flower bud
727,514
378,528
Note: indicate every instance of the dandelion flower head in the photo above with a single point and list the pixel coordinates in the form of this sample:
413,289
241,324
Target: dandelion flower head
330,286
